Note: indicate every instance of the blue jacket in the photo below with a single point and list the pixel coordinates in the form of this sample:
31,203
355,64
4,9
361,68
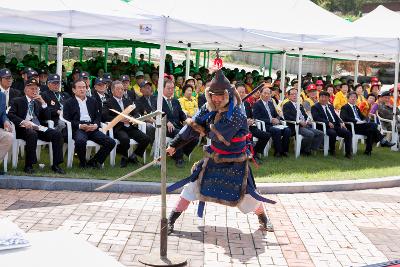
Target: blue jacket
3,114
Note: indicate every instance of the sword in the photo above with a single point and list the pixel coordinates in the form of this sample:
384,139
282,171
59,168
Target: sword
255,90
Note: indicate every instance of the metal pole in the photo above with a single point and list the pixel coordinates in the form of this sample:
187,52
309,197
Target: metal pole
105,57
162,259
204,59
395,96
80,54
197,60
164,220
46,52
270,65
150,56
187,69
283,75
331,71
264,63
133,54
59,53
356,70
299,85
40,52
208,58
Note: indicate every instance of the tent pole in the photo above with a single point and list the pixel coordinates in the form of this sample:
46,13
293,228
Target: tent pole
80,54
208,58
270,65
299,86
356,70
150,56
105,57
46,52
162,259
204,58
395,96
40,52
264,63
197,60
59,53
68,55
187,67
133,54
332,67
283,76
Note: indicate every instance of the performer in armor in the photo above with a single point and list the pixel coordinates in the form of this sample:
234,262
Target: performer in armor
223,175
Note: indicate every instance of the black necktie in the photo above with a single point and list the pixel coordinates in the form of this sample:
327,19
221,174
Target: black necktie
330,119
356,113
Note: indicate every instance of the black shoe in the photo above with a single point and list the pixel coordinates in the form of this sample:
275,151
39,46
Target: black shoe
179,163
29,170
93,164
265,223
82,165
171,220
332,153
124,162
285,154
2,173
349,156
277,155
133,159
386,143
307,154
368,153
57,169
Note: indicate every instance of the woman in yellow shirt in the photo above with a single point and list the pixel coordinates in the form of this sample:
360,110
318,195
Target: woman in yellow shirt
187,101
360,94
341,97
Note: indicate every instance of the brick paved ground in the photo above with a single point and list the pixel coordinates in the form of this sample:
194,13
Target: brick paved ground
323,229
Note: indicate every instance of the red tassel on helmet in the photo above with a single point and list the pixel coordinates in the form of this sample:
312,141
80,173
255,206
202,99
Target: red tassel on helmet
218,61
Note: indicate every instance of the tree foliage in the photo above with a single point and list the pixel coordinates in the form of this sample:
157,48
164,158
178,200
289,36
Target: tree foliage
346,7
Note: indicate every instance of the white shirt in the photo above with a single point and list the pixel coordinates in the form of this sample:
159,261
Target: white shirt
120,103
84,113
325,108
267,108
29,116
356,116
301,117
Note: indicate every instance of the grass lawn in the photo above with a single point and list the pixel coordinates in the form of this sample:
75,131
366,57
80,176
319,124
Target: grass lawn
383,162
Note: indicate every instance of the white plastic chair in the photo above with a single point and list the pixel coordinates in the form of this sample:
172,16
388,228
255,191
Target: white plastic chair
132,144
261,126
19,145
384,130
356,137
326,139
298,138
70,146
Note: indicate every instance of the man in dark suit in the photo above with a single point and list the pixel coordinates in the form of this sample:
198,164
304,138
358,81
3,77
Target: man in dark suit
85,116
28,114
263,137
351,113
265,111
312,138
146,104
99,93
325,112
55,100
123,130
129,95
5,86
175,120
6,136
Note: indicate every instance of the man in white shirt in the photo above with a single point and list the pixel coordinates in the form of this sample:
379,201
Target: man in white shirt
6,81
85,116
351,113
